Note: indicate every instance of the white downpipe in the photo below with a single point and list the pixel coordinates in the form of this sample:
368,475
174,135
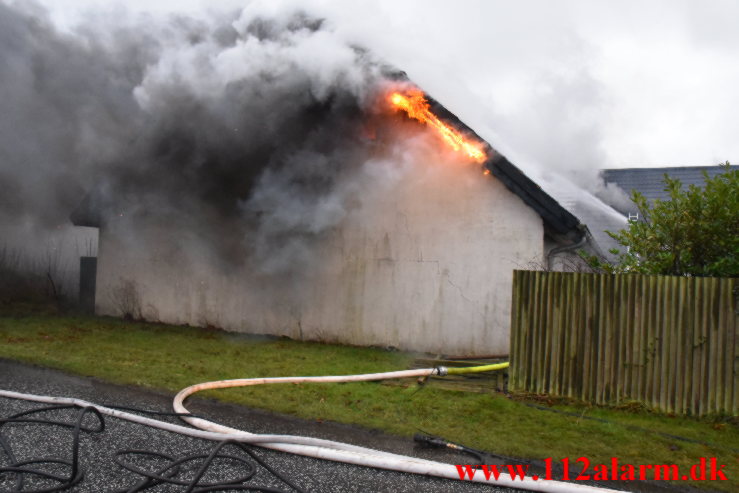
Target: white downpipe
313,447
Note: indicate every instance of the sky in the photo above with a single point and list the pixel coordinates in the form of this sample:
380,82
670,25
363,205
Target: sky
567,84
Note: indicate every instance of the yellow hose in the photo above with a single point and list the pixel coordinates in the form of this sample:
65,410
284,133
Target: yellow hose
476,369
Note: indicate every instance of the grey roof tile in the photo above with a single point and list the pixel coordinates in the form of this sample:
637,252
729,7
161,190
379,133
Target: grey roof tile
649,181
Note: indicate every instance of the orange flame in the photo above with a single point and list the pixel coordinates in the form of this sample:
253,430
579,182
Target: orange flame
414,103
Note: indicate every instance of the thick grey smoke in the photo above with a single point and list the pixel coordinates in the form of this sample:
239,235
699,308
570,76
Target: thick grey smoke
64,104
247,134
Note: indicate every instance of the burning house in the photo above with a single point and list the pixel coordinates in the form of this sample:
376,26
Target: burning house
277,181
417,252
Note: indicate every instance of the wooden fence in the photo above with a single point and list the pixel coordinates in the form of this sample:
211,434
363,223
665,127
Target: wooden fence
668,342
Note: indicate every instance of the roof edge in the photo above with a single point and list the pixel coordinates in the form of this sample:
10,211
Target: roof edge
558,220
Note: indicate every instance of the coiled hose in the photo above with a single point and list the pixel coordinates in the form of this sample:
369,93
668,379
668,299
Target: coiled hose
362,456
316,447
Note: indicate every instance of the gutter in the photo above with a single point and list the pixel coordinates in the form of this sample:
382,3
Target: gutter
567,248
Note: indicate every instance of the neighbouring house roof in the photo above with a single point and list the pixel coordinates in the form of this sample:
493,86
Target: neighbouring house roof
650,181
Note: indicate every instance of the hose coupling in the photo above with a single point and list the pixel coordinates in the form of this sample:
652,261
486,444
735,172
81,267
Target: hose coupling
442,371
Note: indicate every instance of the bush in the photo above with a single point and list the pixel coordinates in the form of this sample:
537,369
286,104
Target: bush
695,233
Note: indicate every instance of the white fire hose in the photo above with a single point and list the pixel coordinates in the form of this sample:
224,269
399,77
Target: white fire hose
315,447
362,456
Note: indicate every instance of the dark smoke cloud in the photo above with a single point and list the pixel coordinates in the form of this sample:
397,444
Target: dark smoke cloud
245,132
63,103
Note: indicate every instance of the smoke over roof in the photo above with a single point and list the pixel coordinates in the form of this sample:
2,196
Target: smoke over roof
224,126
251,134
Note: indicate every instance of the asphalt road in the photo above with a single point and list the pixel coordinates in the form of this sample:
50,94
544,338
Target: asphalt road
97,450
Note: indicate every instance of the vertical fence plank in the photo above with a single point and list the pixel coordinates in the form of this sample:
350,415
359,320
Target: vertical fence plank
587,311
713,373
640,327
705,303
516,330
623,376
714,377
547,332
734,332
593,308
601,334
541,332
652,340
671,341
681,360
613,345
636,337
646,355
697,347
533,380
663,350
726,364
520,326
559,328
569,376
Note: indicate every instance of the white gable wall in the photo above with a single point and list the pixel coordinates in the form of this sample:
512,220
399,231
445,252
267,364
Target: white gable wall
424,264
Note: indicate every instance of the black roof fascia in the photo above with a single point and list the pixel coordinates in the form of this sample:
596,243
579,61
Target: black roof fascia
556,218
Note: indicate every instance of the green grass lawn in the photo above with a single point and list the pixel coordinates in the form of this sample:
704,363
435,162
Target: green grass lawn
172,357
